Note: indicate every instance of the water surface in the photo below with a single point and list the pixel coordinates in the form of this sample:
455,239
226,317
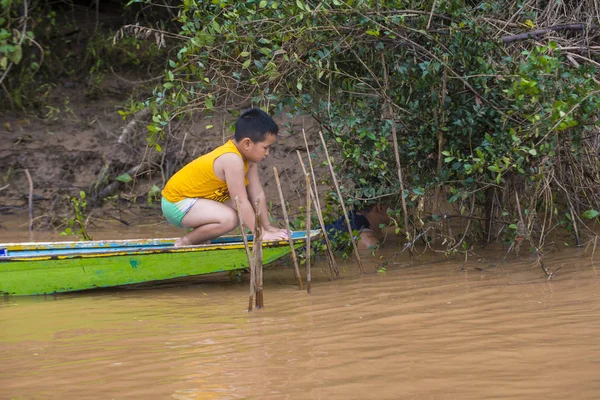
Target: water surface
424,329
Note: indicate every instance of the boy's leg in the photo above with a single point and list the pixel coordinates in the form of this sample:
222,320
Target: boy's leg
209,219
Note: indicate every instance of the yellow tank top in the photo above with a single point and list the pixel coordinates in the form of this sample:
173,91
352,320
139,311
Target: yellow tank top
198,180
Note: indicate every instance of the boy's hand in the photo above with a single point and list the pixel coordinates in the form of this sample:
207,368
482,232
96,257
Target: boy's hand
272,233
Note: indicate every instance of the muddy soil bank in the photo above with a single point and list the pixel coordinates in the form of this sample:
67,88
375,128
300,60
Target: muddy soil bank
78,144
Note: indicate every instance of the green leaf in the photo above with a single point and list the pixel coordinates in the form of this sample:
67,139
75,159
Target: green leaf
246,63
124,178
263,4
590,214
16,55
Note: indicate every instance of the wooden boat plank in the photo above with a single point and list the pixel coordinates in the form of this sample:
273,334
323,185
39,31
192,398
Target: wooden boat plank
45,274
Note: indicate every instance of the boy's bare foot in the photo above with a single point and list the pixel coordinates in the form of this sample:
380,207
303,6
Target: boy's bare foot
185,242
181,242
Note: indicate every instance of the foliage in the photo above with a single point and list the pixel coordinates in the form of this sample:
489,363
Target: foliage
42,42
16,38
76,225
478,120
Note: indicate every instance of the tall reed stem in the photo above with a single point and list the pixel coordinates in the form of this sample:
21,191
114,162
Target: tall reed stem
287,227
30,200
339,193
330,257
308,223
257,256
396,153
250,260
315,195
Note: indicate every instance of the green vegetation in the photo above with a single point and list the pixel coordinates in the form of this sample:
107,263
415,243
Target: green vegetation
77,223
43,43
505,129
492,127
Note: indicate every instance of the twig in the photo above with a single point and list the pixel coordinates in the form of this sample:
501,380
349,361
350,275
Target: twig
156,78
410,244
308,222
339,193
4,187
21,38
250,260
332,264
396,151
331,258
431,14
30,200
287,226
540,32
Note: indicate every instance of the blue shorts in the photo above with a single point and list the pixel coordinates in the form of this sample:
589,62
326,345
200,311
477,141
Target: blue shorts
174,212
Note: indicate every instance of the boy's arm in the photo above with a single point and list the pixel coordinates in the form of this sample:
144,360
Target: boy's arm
256,192
233,169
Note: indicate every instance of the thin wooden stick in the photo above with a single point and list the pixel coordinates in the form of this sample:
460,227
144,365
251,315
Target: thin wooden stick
287,227
339,193
431,14
397,155
257,256
30,200
332,264
308,223
250,261
330,257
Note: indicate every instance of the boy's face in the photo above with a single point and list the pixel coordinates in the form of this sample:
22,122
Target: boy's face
257,151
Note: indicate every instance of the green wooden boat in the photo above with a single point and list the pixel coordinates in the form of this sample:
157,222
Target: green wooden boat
58,267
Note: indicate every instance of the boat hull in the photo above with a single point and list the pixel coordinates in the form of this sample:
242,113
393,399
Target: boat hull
38,272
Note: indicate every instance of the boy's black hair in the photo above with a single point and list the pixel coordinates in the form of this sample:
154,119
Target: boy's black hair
255,124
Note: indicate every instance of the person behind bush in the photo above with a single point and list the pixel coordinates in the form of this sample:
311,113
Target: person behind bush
365,222
200,196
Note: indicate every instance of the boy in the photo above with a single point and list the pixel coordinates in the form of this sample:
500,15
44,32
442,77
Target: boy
200,196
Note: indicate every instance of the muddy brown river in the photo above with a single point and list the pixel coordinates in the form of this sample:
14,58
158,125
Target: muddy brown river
424,329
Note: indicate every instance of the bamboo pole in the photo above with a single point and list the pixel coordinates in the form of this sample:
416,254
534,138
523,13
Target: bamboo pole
257,257
250,260
330,257
287,227
339,193
308,223
332,264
